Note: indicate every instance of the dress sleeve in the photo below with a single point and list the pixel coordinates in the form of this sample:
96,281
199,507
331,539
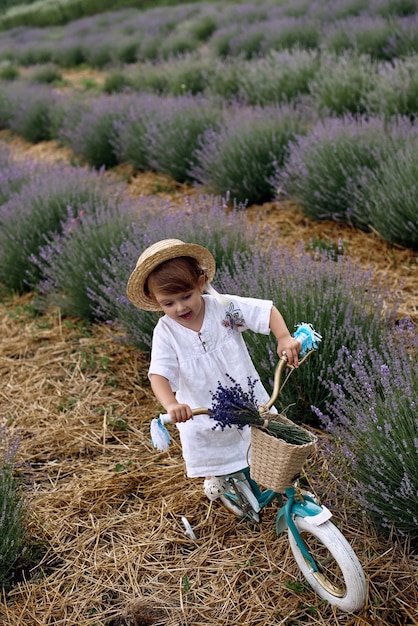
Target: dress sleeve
164,359
248,314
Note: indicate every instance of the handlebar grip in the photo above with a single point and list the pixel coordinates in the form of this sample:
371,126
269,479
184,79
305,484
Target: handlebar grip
166,419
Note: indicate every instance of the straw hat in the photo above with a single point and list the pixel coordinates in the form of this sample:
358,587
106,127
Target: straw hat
156,254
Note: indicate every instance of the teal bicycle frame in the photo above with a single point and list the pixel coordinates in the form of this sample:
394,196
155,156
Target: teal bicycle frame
297,503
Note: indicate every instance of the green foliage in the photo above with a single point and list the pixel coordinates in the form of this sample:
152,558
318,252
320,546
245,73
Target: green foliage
8,71
380,42
398,7
116,82
177,44
50,12
190,77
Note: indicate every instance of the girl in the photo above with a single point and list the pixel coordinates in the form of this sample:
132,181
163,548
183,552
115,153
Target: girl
197,344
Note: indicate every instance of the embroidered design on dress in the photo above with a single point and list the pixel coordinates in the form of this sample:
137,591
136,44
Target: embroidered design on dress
233,318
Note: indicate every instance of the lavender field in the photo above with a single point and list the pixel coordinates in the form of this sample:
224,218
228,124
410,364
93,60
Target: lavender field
242,115
244,109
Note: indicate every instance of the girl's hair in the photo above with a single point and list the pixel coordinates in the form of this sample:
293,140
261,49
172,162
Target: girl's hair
174,276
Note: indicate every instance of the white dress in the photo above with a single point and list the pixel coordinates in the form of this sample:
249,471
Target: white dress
194,363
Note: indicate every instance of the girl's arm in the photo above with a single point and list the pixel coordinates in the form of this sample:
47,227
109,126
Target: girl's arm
165,396
285,341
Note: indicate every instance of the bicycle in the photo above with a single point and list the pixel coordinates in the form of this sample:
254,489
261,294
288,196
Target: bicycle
321,551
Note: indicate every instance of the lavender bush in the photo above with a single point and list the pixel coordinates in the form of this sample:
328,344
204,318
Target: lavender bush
13,508
117,81
190,75
342,83
316,288
12,175
224,80
365,34
390,198
206,220
8,71
395,89
162,134
130,143
277,77
155,78
174,132
30,110
177,44
77,256
329,167
372,416
46,74
93,135
292,32
381,41
31,217
6,109
242,156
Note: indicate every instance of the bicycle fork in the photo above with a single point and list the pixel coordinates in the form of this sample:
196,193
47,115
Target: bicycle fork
306,507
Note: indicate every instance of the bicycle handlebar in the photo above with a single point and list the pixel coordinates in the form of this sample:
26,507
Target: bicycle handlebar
277,387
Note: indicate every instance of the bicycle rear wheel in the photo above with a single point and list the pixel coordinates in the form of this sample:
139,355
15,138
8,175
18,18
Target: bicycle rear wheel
240,500
340,579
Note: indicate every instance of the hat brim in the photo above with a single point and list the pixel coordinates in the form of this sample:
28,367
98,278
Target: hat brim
156,254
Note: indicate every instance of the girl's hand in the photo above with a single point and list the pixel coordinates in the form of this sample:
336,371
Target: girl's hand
179,412
290,348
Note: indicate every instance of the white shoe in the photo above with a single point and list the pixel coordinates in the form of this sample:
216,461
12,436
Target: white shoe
214,487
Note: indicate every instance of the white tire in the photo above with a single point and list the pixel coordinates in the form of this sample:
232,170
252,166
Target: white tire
250,506
340,579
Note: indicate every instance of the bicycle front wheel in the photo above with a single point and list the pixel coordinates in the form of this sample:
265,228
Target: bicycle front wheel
340,578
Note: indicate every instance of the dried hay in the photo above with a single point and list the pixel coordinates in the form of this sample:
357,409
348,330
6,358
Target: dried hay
106,507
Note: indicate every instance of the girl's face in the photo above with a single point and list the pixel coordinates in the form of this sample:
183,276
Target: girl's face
187,307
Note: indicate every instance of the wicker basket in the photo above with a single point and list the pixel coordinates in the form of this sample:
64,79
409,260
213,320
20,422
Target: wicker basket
276,464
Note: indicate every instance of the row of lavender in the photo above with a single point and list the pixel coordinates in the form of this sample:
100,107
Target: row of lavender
333,84
72,237
383,28
362,170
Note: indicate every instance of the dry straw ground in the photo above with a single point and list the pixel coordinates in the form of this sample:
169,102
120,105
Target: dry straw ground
106,507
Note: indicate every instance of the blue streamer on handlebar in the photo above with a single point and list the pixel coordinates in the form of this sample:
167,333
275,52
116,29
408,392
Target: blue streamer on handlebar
160,436
308,337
